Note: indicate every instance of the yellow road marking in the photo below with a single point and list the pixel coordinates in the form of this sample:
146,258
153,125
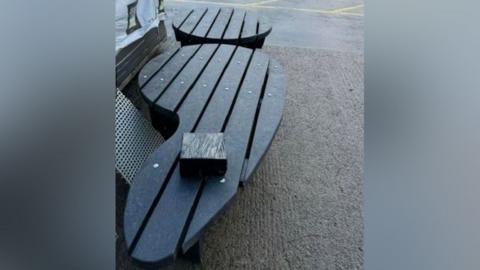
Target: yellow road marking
340,11
319,11
352,14
226,4
208,3
261,3
343,10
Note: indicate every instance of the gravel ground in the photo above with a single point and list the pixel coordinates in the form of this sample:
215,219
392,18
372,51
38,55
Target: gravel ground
303,207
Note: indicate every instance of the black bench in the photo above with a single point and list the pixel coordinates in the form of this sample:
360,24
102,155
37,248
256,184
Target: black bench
208,88
221,25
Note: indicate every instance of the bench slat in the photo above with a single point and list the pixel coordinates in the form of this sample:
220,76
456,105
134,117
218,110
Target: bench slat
154,66
264,27
217,193
222,100
159,241
191,22
148,182
160,237
233,30
249,29
206,23
220,24
159,82
184,80
189,111
181,17
269,118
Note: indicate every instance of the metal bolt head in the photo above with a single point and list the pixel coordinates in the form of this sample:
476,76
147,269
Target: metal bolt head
238,62
155,165
183,54
223,180
201,57
226,88
182,82
161,79
249,92
275,66
269,94
144,76
204,85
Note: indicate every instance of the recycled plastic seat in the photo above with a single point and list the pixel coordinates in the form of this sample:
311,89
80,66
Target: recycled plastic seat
209,88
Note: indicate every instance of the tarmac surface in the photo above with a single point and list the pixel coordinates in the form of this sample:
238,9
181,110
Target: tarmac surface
329,24
303,207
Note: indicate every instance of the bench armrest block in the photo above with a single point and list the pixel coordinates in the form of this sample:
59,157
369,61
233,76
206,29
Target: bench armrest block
203,154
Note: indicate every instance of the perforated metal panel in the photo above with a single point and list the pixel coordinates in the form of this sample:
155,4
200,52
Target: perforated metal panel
135,138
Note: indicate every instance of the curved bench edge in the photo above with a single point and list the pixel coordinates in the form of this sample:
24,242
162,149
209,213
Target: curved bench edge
261,144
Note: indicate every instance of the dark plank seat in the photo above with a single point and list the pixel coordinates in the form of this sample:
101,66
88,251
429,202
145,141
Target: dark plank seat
208,88
221,25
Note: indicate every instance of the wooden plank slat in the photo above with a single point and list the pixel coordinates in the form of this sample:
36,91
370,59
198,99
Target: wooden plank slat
220,25
184,80
147,185
154,66
221,102
218,192
159,241
250,22
189,25
160,238
181,17
198,96
269,118
206,23
264,27
235,26
156,85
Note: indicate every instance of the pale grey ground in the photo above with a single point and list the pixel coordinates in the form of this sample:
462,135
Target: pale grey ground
303,207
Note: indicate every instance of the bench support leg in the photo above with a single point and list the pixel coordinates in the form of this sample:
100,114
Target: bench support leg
164,121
